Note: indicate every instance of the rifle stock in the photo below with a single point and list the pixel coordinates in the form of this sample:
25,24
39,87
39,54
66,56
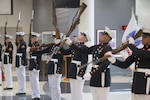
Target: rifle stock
125,45
55,20
76,22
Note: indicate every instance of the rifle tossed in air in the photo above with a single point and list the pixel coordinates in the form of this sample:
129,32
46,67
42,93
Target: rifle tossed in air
73,26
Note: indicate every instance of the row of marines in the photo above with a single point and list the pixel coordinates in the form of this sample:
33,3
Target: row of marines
99,75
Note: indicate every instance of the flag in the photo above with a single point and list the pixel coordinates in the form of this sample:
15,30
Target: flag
131,30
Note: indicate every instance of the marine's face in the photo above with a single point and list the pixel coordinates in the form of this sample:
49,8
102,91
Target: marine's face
20,37
104,38
8,40
74,39
34,39
82,38
146,40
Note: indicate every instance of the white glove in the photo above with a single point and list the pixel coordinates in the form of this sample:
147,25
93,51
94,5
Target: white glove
87,76
131,40
68,41
35,70
88,44
112,59
28,49
56,41
58,75
79,78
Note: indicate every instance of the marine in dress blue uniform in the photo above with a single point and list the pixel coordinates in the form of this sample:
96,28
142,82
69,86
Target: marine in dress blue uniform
100,73
141,57
34,68
8,62
78,59
21,63
55,67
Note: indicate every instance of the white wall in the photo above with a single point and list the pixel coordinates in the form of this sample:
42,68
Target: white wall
87,19
25,6
142,12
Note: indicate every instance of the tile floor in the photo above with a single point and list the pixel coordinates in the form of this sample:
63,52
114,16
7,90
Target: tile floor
120,89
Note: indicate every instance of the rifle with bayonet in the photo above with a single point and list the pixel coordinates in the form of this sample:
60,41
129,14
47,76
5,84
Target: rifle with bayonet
115,51
5,32
2,49
73,26
30,30
18,22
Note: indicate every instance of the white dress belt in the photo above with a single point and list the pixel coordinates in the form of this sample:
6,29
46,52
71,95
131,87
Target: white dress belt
55,62
95,66
7,54
102,75
33,57
20,58
19,54
142,70
78,63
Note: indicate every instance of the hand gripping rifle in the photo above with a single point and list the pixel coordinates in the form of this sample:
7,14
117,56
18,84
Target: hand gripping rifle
18,21
73,26
30,30
115,51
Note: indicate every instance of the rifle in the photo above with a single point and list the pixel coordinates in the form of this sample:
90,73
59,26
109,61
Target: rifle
55,19
125,45
115,51
55,25
5,31
18,21
30,30
73,26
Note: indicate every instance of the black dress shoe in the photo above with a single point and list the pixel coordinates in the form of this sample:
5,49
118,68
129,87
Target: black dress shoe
37,98
20,94
8,88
